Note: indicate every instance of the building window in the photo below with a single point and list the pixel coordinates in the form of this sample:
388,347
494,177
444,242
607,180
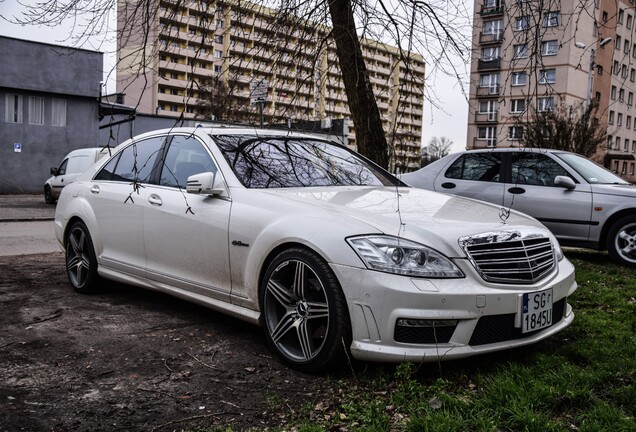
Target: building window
621,15
545,104
624,71
624,170
220,24
617,144
632,74
630,98
619,119
490,53
517,106
218,39
628,122
599,70
621,95
519,78
617,67
58,112
217,69
36,110
494,28
616,166
218,54
549,48
13,108
491,82
617,43
610,118
605,17
522,23
487,133
520,51
626,46
613,93
515,133
552,19
631,168
547,76
626,145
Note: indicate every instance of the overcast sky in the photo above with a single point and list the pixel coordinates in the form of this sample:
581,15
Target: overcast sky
449,120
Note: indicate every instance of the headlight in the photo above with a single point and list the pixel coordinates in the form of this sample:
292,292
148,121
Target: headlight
404,257
557,250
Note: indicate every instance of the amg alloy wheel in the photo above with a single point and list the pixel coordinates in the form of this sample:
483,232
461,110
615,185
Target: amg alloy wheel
81,263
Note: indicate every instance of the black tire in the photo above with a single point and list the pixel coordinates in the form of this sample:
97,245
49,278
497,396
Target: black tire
48,195
307,324
621,241
81,262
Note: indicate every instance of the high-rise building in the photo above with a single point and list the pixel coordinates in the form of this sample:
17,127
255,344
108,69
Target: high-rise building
532,56
227,52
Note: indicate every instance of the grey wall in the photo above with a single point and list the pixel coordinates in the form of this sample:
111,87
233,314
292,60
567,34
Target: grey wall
47,71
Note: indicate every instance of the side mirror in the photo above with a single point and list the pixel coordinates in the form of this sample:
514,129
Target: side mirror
565,182
54,171
206,184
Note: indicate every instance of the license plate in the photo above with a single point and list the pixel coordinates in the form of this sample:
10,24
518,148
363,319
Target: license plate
536,311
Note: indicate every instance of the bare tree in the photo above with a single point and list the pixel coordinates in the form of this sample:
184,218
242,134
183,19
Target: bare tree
216,101
436,149
567,127
432,29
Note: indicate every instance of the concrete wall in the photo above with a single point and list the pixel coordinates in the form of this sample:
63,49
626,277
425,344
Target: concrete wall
50,72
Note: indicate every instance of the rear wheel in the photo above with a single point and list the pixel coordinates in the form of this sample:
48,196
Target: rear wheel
81,262
621,241
48,195
304,312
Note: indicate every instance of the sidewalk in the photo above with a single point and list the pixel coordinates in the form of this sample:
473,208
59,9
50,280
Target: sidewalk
24,208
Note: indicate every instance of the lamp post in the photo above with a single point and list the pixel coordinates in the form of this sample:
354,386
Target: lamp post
590,76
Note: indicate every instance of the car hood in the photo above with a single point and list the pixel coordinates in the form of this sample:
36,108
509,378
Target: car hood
627,190
423,216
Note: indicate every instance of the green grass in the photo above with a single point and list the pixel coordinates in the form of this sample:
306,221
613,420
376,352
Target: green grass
582,379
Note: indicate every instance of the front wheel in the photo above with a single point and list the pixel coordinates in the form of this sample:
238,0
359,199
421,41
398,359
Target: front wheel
81,262
48,195
304,312
621,241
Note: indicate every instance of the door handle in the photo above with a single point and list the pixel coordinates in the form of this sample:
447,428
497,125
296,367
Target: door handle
448,185
155,200
516,190
95,189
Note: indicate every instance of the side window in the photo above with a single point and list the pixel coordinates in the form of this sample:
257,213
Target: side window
535,169
134,163
476,166
62,169
185,157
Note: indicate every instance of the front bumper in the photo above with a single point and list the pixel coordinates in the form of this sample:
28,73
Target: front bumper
487,315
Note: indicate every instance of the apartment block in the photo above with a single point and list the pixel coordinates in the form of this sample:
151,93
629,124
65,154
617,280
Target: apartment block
193,46
531,56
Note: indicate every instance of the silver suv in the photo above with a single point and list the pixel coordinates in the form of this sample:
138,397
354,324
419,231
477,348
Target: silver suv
582,203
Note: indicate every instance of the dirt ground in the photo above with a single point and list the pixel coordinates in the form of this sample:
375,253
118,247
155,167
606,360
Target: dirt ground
130,359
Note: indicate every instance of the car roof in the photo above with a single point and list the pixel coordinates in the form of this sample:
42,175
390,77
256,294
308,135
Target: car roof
515,149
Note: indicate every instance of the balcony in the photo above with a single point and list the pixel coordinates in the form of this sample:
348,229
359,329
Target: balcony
489,10
489,64
490,38
488,91
486,117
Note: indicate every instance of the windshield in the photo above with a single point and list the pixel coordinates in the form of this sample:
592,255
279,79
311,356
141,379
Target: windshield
281,162
591,171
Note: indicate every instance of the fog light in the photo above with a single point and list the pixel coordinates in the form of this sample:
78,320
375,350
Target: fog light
408,322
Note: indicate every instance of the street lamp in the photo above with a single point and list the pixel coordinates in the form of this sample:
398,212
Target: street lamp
590,76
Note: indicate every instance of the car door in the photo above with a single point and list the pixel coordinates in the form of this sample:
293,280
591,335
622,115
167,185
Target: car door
531,190
474,175
115,197
186,235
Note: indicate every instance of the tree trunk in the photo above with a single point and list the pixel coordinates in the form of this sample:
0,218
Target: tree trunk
370,137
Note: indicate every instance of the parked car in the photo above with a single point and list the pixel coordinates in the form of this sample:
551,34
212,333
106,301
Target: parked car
582,203
325,250
73,164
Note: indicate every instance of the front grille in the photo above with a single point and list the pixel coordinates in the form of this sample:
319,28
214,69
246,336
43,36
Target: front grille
423,335
501,328
510,259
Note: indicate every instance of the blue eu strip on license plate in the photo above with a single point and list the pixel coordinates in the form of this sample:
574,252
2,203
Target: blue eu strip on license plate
536,310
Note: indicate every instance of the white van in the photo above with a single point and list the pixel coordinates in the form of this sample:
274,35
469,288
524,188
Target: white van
75,163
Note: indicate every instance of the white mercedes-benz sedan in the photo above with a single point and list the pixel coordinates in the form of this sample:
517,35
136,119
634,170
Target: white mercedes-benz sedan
329,253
